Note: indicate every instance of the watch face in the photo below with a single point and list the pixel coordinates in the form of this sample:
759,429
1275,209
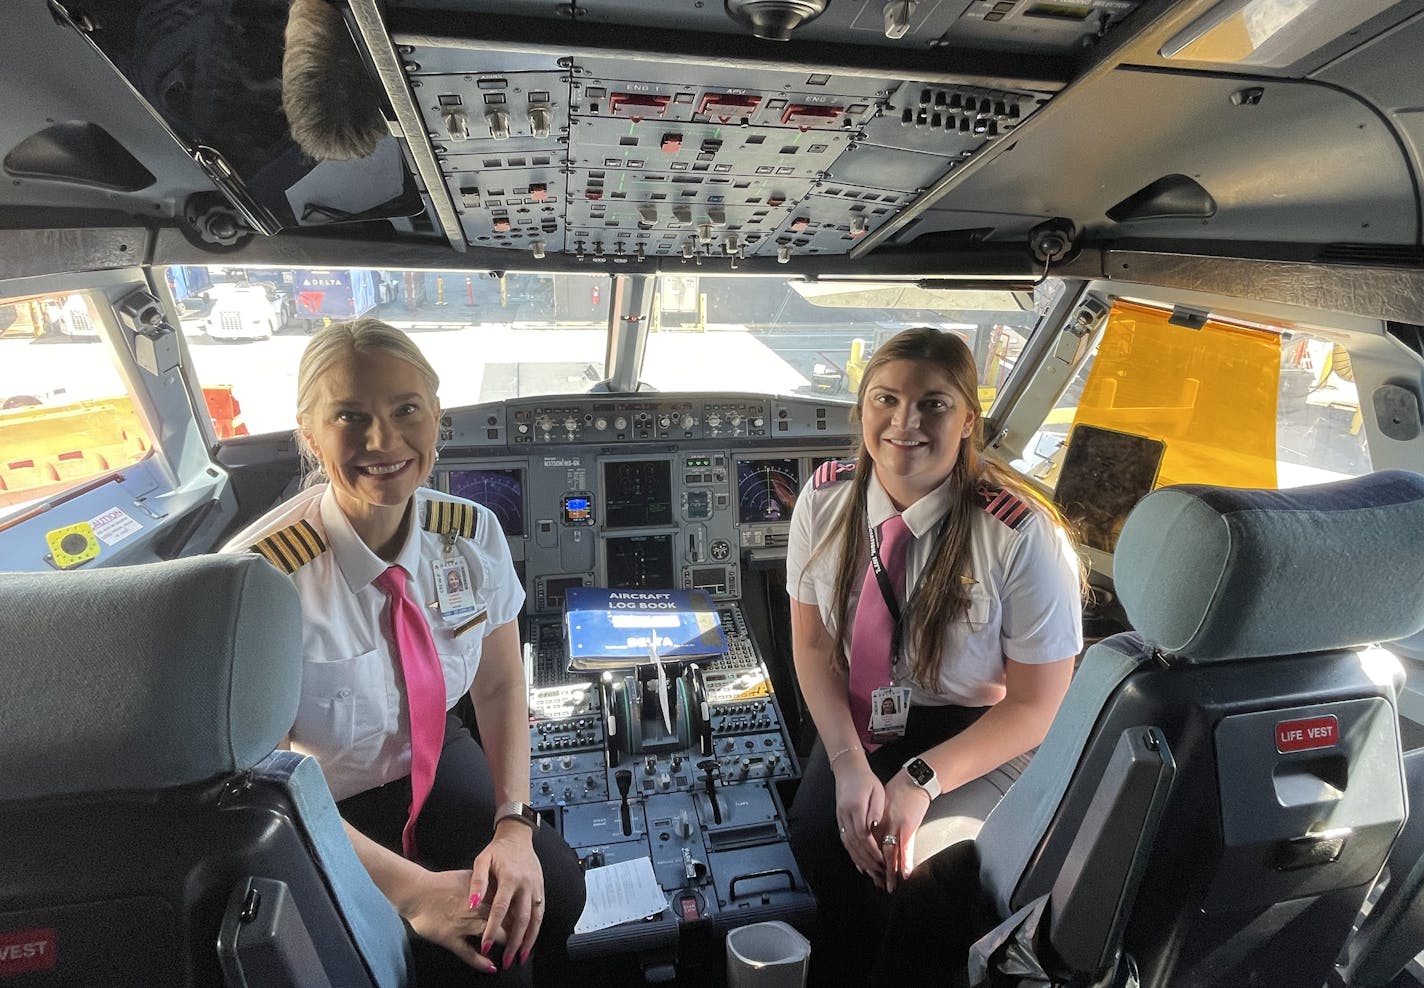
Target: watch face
920,771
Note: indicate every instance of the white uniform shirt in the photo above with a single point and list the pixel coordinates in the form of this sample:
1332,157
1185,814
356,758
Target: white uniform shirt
352,715
1024,604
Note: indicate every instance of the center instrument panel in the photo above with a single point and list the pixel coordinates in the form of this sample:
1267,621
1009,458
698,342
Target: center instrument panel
672,491
669,491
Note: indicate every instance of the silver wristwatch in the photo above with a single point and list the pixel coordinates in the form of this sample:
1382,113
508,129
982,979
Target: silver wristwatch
515,810
922,775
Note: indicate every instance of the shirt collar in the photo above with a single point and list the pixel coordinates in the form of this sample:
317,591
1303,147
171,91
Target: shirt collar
360,566
920,517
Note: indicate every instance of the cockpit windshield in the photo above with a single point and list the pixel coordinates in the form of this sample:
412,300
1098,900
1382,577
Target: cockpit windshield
524,335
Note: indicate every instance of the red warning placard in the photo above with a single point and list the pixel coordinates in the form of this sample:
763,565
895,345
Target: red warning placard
1307,734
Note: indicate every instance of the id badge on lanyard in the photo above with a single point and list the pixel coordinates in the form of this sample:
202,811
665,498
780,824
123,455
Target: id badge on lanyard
889,710
889,704
454,589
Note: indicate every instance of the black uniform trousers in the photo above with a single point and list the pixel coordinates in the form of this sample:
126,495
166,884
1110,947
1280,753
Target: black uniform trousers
456,823
852,914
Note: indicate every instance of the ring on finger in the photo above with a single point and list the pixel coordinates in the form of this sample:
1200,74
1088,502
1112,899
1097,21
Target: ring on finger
889,840
539,901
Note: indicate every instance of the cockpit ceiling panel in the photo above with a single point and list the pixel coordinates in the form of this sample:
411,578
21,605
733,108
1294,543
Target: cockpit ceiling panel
1299,162
211,72
1061,27
687,157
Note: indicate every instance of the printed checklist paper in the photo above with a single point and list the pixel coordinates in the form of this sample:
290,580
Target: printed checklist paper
618,893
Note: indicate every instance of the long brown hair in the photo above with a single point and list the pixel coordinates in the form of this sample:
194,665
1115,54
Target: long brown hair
942,596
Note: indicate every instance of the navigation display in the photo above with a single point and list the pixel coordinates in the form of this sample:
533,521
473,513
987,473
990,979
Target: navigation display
637,494
502,491
766,489
640,562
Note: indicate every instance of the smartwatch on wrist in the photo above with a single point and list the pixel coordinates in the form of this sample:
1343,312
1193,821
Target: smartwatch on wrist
515,810
923,776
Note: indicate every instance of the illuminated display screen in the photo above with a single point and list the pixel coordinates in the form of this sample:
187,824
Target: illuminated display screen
502,491
766,489
555,587
637,493
640,562
578,509
697,462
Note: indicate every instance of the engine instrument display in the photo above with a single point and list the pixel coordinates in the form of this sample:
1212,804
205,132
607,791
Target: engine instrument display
502,491
637,494
767,488
640,562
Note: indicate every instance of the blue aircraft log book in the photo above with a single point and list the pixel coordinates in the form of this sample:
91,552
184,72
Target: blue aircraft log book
618,629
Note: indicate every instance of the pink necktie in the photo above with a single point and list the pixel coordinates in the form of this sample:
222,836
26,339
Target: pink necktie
870,633
424,693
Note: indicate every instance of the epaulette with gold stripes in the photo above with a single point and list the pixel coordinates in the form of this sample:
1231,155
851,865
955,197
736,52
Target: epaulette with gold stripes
291,548
1005,506
450,518
832,472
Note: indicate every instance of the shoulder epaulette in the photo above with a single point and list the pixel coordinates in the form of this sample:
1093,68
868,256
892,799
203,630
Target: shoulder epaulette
450,518
832,472
1005,506
291,548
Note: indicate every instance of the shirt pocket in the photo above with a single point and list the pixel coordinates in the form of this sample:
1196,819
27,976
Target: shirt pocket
343,702
460,654
976,650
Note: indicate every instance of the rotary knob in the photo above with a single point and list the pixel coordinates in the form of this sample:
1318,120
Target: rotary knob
620,423
687,421
543,422
756,422
600,424
714,420
736,420
522,428
664,421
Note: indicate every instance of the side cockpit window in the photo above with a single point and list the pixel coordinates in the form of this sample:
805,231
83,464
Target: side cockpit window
66,417
1165,398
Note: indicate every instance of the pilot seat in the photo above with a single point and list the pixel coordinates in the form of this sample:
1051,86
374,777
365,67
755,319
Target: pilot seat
1222,785
153,837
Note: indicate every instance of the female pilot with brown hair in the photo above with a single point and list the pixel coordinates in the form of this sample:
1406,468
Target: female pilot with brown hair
935,618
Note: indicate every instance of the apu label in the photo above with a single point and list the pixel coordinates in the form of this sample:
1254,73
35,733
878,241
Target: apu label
1307,734
27,950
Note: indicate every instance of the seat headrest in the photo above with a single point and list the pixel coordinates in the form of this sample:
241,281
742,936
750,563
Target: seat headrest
1215,573
144,677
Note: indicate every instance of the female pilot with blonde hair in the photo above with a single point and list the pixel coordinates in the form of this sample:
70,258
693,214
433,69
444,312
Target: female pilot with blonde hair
389,646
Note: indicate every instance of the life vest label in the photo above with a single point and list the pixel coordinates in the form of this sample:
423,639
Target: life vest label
1307,734
27,950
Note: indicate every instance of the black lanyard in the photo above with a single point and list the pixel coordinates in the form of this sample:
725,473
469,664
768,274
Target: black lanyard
897,635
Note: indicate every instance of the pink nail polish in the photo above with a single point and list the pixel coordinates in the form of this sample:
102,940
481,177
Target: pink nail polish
475,901
485,948
524,957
